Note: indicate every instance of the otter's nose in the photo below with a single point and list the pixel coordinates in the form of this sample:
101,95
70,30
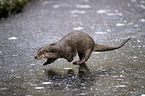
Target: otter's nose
35,57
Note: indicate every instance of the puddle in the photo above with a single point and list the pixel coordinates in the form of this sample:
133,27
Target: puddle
120,72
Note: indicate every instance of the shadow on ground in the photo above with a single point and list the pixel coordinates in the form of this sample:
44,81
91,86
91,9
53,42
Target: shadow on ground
84,79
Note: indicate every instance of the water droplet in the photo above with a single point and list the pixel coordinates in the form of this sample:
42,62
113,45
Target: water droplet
114,14
45,83
143,95
68,85
116,10
138,41
32,64
12,38
135,57
91,89
82,94
121,76
78,12
121,86
101,32
120,79
114,76
125,21
29,95
102,11
136,25
3,89
78,28
83,6
33,84
142,1
101,75
18,76
67,68
120,24
15,55
39,87
142,20
141,6
12,70
45,2
56,6
108,30
31,70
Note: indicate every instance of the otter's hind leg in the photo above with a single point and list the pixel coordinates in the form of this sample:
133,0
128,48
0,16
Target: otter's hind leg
83,56
80,55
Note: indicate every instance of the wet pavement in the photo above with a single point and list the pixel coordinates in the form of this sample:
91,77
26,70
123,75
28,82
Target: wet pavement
115,73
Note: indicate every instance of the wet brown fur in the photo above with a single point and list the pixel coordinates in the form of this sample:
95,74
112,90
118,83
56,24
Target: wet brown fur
70,45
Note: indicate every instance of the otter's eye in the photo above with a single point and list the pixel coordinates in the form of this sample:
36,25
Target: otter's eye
40,53
52,50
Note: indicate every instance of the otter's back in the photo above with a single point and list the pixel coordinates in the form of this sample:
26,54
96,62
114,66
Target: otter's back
79,40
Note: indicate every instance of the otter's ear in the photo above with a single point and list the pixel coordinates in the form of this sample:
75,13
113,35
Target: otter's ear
53,49
52,44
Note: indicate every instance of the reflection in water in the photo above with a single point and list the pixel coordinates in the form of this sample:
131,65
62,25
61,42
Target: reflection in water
84,74
83,80
79,84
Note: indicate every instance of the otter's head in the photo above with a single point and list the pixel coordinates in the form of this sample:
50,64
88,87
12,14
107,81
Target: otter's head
48,51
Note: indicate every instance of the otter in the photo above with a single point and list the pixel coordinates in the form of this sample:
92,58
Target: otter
71,44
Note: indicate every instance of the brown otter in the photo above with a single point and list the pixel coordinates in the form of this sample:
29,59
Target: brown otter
70,45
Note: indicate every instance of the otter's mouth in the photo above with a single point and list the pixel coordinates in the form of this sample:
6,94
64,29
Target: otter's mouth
49,61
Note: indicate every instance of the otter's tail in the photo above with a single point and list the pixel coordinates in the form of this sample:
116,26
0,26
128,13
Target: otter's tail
101,48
